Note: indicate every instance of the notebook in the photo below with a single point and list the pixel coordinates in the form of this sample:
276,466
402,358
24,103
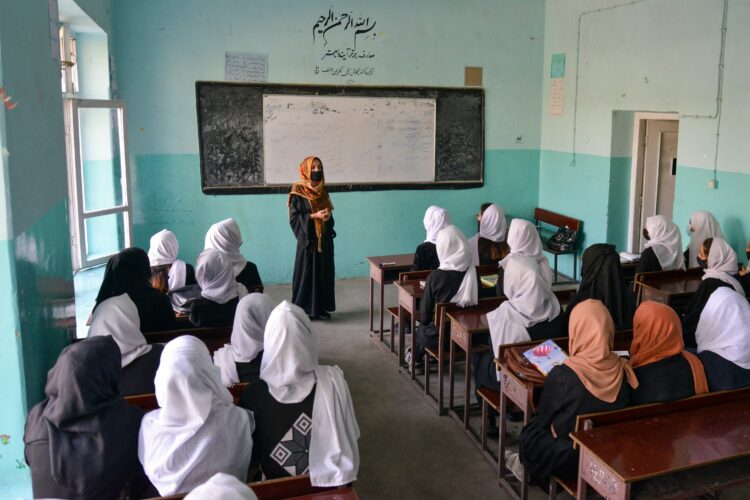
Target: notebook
545,356
489,281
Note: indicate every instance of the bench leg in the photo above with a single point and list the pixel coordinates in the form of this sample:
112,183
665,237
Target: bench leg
552,489
575,267
483,426
371,302
426,374
441,372
451,363
556,278
393,327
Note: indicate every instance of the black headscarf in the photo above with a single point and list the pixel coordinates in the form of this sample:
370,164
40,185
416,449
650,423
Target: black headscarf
127,272
602,279
91,431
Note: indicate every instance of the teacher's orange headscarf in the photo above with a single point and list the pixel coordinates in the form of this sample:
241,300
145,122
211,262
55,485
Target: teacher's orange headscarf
316,195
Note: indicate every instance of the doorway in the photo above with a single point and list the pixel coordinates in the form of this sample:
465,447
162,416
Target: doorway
654,172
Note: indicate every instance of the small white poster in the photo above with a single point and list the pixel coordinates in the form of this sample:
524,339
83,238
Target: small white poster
557,99
245,67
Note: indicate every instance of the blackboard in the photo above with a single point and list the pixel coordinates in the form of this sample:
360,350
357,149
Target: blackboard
230,129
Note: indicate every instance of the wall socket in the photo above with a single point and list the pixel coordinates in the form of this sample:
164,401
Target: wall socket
713,184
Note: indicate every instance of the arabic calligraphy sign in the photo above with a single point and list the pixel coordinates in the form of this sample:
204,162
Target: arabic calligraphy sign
344,41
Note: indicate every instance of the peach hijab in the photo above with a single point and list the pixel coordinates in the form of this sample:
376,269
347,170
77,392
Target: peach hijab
316,195
657,334
592,334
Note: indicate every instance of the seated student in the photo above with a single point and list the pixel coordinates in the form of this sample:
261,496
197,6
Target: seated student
720,263
665,370
744,274
592,379
602,279
532,312
220,293
723,336
239,361
222,487
118,317
225,237
130,272
82,440
453,281
305,420
425,256
197,431
701,226
167,271
488,246
523,239
663,246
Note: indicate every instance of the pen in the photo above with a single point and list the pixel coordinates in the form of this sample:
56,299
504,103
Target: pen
388,264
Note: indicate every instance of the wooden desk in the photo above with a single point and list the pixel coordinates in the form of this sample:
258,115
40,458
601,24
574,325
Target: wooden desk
213,337
385,269
674,288
409,293
338,494
661,445
295,487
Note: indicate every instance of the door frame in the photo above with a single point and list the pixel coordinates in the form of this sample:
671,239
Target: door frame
636,168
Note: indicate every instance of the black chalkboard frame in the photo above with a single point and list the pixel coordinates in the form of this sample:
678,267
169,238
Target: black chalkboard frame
450,129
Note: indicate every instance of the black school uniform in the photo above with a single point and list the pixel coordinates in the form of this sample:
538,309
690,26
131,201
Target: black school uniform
649,262
281,439
138,376
250,278
665,380
250,371
563,398
425,257
722,374
695,307
205,312
440,286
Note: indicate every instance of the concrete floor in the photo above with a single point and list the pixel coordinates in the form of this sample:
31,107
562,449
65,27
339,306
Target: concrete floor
407,450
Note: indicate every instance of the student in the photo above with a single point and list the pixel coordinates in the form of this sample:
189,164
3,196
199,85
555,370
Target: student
240,360
226,238
720,263
663,246
532,312
197,431
222,487
454,280
523,239
665,370
425,256
602,279
118,317
592,379
167,271
220,293
311,220
723,337
82,440
303,411
701,226
130,272
744,274
488,246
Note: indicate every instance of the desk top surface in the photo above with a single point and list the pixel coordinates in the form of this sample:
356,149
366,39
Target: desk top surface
474,318
656,446
338,494
402,260
412,287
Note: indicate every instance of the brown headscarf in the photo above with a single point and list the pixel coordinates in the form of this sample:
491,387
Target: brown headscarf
657,334
592,334
316,195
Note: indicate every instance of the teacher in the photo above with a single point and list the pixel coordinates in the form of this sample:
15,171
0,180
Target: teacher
312,223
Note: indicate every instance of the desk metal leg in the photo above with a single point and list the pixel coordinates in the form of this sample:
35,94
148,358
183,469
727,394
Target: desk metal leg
371,303
501,437
556,277
382,286
413,322
575,267
401,316
451,366
467,388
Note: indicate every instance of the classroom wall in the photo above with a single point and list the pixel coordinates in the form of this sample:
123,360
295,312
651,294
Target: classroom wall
653,55
162,48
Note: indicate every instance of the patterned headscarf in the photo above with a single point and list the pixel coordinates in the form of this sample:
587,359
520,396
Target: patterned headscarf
316,195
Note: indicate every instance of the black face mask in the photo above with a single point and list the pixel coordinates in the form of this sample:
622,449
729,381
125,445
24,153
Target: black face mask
703,263
316,175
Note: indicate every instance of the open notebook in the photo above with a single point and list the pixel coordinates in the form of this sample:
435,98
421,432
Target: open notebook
545,356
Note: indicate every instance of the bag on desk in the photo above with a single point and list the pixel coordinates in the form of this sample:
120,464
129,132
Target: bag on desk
519,365
564,240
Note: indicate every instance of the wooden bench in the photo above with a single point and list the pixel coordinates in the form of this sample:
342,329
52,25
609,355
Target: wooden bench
674,288
213,337
147,402
541,217
666,470
383,270
296,487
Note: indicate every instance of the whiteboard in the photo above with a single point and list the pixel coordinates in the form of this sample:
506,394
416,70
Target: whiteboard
358,139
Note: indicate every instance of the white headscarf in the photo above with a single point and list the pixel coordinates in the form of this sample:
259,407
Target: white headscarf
454,254
530,301
665,240
435,219
225,237
523,239
222,487
118,317
704,226
197,431
247,336
290,368
722,264
724,327
215,278
163,251
492,227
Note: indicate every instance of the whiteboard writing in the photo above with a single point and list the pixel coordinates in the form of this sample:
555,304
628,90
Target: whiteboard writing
245,67
358,139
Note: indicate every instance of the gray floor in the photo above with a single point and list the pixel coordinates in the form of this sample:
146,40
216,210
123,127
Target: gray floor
407,450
